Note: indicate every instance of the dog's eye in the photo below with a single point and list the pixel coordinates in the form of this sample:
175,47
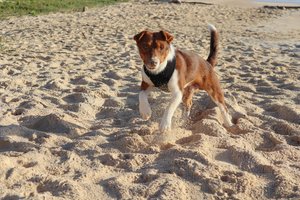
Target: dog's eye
162,47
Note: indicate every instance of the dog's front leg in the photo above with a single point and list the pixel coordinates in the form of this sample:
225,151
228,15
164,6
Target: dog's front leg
175,101
144,106
167,118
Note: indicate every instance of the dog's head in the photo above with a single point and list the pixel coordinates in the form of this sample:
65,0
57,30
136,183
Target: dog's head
154,47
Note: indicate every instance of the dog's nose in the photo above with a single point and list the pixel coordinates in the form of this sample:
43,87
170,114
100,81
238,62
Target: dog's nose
152,62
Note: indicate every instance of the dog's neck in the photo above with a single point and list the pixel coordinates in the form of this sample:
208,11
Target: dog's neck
167,68
163,65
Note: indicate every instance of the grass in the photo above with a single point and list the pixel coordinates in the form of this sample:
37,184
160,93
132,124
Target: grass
35,7
1,44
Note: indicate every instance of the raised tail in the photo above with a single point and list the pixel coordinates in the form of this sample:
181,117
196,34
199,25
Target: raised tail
214,45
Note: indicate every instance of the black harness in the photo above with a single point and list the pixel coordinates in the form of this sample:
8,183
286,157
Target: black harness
162,78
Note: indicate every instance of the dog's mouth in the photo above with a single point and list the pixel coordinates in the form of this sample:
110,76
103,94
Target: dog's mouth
152,65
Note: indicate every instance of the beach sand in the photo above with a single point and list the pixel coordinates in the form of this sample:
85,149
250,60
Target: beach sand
70,126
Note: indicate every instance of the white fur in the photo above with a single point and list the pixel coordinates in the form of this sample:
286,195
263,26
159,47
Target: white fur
146,78
225,115
211,27
176,99
161,66
144,106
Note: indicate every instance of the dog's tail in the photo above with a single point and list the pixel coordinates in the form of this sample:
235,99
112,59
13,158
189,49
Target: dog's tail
214,45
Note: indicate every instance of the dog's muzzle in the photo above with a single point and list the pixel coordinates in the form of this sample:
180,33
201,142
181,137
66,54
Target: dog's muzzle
153,63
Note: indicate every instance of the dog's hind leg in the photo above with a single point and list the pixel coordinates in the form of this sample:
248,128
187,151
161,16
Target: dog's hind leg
188,98
217,96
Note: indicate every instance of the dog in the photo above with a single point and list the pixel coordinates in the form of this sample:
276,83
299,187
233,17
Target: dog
182,72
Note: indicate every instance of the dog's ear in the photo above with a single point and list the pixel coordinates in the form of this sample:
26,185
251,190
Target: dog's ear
139,36
167,36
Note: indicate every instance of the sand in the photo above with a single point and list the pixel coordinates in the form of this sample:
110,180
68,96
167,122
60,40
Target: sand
70,127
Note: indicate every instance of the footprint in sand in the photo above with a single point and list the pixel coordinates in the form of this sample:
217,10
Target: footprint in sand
55,187
283,111
76,98
294,140
56,84
8,144
12,197
282,127
53,124
271,142
27,105
249,160
82,80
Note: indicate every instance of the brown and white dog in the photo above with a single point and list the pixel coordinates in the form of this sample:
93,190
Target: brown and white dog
183,72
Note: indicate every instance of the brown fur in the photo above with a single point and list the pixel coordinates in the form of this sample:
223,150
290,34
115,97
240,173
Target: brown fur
199,75
144,85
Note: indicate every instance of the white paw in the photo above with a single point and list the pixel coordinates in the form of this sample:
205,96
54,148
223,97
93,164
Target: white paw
165,125
228,124
227,120
145,112
187,112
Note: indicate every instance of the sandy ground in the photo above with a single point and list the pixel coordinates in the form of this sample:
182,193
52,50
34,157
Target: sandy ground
70,127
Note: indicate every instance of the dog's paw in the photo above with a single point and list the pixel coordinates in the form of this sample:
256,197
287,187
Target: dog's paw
187,112
165,125
227,120
228,123
145,112
146,116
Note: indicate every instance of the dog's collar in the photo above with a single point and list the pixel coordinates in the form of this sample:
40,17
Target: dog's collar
163,77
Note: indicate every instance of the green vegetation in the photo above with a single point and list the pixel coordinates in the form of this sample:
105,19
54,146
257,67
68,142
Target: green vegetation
35,7
1,45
